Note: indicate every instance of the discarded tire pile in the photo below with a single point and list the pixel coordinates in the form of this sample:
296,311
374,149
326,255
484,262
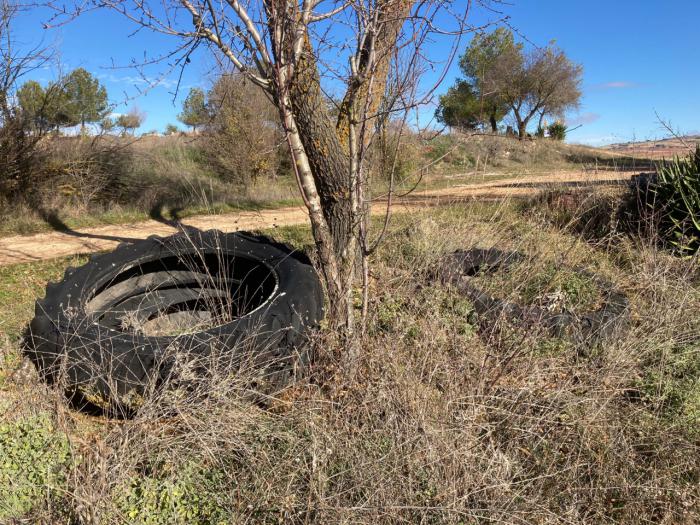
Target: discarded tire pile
612,317
115,326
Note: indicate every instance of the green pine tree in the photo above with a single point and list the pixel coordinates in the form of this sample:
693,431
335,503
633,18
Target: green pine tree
194,109
32,101
459,107
86,99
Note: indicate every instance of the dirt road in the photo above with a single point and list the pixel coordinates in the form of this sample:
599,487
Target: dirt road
19,249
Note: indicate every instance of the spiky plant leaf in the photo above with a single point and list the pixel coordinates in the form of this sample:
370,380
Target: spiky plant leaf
677,200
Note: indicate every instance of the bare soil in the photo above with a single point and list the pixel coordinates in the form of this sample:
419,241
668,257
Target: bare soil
21,249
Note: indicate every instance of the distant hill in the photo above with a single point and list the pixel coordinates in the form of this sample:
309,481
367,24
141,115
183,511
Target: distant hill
657,149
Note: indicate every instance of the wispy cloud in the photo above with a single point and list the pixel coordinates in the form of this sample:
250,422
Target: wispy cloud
584,118
619,84
139,81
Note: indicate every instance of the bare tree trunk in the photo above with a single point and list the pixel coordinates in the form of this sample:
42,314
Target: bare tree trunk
338,293
522,130
329,167
539,124
522,124
327,148
321,162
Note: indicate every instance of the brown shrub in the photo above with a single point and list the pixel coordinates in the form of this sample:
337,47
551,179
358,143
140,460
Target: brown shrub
18,157
243,139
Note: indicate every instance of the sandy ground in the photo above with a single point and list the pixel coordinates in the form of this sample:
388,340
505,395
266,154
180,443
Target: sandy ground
19,249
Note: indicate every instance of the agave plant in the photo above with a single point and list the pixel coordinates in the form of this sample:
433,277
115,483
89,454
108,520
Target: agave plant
676,192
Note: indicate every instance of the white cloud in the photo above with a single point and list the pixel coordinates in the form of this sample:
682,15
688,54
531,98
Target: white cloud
582,119
140,81
618,84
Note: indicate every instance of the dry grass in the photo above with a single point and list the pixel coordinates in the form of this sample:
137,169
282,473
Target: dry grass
443,421
487,153
111,180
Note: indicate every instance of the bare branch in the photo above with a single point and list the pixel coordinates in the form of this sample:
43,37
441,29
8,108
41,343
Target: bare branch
329,14
252,31
226,50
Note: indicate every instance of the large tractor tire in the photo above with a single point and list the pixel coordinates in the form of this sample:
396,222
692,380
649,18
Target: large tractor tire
117,326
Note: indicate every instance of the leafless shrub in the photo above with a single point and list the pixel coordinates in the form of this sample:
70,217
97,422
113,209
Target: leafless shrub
17,157
83,172
243,138
18,141
603,216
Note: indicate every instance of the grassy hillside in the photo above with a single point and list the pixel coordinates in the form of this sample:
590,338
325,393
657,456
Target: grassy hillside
87,182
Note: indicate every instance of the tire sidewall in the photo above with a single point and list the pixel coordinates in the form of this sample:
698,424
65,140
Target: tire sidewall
64,335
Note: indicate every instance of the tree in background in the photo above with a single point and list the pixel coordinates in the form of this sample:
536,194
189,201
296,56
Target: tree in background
76,99
504,78
59,111
32,101
171,129
539,82
550,84
485,63
194,109
43,109
85,99
460,107
18,142
243,136
130,121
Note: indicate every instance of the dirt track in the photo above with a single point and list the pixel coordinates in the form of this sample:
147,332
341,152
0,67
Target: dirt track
19,249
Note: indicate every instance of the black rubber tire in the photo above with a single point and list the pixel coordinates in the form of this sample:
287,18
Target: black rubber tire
589,329
112,367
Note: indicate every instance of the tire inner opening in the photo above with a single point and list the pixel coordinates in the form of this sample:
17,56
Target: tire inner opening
182,293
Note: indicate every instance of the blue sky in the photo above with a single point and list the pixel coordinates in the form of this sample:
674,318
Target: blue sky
640,58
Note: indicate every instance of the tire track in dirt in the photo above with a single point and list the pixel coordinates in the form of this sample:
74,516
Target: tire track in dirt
50,245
